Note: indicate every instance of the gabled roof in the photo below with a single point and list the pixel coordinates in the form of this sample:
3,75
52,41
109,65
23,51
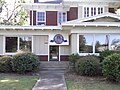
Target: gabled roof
83,20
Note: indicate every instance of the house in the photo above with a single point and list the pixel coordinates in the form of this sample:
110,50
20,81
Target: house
59,28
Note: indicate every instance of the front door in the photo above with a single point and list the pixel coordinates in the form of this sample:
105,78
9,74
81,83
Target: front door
54,53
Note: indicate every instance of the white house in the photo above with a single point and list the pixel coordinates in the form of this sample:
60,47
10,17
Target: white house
59,28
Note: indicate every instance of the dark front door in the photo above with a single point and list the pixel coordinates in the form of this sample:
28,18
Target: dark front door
54,53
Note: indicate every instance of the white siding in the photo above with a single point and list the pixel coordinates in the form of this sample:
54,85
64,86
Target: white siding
40,45
1,45
74,43
64,50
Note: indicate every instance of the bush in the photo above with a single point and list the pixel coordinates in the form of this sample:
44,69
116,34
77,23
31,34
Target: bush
88,66
111,67
25,62
105,53
5,64
72,60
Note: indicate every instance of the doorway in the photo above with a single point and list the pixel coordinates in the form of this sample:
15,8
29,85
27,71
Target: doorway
54,53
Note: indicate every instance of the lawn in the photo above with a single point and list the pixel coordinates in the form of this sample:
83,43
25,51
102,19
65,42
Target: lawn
77,82
86,85
17,82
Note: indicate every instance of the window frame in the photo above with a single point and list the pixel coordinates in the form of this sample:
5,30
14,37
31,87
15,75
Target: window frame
61,17
40,21
18,44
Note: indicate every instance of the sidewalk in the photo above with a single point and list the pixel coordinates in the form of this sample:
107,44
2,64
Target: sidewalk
50,81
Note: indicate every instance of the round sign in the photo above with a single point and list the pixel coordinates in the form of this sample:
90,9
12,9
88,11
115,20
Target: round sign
58,38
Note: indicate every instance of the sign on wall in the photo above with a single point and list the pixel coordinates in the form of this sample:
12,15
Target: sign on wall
58,39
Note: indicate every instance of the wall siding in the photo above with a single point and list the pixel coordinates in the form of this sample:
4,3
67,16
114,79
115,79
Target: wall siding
72,14
51,18
64,50
40,45
1,45
73,45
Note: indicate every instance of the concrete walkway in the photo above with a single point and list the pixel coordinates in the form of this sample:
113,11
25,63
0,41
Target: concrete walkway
50,81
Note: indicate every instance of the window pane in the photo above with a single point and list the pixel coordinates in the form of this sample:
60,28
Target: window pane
40,18
86,43
61,17
25,44
87,11
115,42
101,43
11,44
99,10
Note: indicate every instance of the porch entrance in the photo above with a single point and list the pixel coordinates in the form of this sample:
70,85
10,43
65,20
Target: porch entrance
54,53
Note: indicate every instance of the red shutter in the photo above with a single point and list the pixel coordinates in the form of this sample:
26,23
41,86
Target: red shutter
51,18
72,14
34,18
30,17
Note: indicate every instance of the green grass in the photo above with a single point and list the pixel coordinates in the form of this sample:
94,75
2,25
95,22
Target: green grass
14,82
91,85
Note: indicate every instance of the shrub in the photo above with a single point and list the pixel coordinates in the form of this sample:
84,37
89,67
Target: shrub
5,64
25,62
88,66
111,67
105,53
72,60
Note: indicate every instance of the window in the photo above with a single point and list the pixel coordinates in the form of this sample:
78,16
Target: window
25,44
41,18
62,17
11,44
85,43
101,43
91,11
22,43
95,43
115,42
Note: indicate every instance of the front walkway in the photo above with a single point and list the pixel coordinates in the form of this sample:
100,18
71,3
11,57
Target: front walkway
51,81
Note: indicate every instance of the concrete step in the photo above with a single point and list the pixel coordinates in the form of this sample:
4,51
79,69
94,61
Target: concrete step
54,64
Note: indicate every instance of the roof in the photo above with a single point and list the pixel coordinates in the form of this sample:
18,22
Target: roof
85,21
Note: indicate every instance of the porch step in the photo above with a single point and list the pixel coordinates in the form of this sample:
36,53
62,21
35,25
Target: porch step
54,66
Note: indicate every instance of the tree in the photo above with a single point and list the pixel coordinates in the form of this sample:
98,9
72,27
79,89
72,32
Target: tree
13,16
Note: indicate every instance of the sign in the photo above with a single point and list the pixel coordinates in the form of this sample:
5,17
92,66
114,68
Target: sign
58,39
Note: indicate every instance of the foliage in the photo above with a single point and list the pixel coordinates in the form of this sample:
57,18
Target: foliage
111,67
105,53
72,60
5,64
16,15
88,66
25,62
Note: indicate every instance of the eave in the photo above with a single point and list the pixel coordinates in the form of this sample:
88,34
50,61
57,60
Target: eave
93,24
45,7
30,28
